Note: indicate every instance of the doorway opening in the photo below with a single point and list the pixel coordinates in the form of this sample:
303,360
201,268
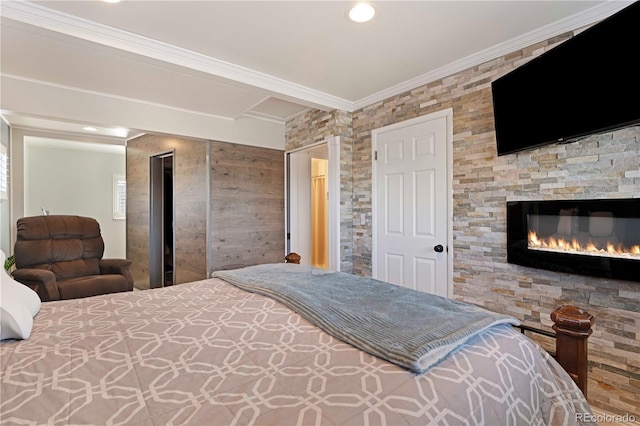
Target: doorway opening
161,219
319,213
313,204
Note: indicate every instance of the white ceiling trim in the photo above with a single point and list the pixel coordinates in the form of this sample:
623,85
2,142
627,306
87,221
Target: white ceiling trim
264,116
43,17
575,22
248,111
52,20
267,117
108,95
69,135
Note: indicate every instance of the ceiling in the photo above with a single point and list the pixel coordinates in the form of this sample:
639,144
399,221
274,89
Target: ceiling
259,60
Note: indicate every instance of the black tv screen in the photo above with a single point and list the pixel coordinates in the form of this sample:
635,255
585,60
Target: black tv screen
588,84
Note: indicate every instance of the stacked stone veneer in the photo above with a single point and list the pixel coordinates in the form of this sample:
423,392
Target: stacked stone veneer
599,166
316,127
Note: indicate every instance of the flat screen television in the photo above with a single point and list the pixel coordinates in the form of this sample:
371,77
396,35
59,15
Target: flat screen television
588,84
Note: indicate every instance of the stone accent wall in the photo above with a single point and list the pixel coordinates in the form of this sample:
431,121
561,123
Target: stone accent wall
599,166
314,127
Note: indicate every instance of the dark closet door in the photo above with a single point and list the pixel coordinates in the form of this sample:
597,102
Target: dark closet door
161,221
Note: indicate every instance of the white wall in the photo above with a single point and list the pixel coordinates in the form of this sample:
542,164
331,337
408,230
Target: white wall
76,178
5,213
58,103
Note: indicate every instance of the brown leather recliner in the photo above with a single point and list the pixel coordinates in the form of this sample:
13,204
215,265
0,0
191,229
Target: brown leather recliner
60,257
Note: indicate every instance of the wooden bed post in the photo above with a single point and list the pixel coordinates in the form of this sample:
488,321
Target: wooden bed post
292,258
573,327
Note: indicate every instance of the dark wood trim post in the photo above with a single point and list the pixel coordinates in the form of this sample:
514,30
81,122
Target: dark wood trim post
573,327
292,258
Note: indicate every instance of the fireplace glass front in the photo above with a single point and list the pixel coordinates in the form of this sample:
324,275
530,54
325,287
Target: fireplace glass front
589,237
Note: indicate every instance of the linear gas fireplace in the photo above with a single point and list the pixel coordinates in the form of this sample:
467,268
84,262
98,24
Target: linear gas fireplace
588,237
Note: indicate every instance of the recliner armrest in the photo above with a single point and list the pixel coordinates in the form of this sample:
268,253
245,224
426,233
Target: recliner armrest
42,279
117,266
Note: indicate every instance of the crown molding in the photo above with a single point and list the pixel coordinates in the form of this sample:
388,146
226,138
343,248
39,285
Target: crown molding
108,95
63,23
49,19
588,17
263,116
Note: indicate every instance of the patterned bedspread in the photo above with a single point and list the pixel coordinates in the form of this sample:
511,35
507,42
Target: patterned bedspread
410,328
208,353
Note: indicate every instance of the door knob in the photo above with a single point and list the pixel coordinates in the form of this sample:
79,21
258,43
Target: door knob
438,248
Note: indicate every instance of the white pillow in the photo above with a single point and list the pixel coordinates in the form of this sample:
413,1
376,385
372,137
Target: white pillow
18,305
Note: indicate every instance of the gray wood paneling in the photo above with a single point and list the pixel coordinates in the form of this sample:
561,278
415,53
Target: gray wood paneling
247,205
190,191
245,202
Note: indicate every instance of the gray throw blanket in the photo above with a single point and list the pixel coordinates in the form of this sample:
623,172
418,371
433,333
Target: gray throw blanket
406,327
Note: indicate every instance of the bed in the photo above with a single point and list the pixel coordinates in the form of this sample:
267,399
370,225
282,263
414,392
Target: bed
213,352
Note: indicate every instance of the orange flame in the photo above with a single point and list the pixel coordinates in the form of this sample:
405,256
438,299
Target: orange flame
574,246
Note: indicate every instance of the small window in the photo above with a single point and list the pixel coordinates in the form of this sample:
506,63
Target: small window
119,197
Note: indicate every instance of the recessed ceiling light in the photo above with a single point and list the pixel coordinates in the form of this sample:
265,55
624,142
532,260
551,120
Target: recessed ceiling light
112,1
90,129
361,12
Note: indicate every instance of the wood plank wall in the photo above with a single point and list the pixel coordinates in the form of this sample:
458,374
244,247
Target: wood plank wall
190,171
247,203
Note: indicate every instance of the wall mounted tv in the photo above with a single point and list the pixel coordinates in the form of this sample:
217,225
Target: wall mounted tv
586,85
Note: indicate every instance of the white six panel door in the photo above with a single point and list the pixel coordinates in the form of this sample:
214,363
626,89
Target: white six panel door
411,206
